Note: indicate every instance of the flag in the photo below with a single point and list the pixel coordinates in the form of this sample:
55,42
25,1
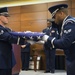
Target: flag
35,36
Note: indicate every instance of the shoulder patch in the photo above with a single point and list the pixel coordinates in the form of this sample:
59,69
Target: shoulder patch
67,31
1,32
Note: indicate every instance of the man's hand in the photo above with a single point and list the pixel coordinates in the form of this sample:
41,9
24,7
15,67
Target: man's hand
23,46
40,42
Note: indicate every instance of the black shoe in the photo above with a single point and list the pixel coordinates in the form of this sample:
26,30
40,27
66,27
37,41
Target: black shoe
23,68
52,71
47,72
26,69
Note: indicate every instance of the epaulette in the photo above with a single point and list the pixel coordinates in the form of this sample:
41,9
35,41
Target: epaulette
71,20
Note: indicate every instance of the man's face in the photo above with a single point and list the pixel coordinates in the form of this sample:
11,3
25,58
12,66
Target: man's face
4,19
48,24
58,18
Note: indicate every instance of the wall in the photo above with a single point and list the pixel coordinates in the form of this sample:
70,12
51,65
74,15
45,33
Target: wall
31,17
73,7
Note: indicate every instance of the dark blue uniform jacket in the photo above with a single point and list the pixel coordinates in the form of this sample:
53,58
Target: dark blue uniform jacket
51,31
6,41
67,40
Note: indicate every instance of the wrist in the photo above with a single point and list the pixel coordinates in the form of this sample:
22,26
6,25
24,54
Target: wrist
51,40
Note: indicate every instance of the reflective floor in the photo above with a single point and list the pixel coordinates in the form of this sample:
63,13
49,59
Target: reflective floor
32,72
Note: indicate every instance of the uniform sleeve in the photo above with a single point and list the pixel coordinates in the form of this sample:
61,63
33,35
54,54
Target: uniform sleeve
6,37
68,37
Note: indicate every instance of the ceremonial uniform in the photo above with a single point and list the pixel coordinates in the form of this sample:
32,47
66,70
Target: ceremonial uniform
25,56
49,51
7,59
67,40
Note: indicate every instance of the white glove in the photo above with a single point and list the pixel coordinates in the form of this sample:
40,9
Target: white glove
45,37
27,31
31,42
40,42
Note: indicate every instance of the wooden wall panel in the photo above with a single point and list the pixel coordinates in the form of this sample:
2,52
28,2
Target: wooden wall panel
73,4
69,11
72,0
34,16
15,26
61,2
73,12
14,10
34,8
73,8
49,15
14,17
35,25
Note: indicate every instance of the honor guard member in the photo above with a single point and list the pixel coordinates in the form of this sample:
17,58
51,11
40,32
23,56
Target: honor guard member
51,30
25,55
7,60
67,37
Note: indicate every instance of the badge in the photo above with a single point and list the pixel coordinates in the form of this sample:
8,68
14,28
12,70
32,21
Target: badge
52,31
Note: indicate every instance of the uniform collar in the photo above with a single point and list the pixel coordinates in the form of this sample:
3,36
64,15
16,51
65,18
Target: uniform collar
2,25
64,20
63,24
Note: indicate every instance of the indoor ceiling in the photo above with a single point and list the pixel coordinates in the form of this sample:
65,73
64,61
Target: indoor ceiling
10,3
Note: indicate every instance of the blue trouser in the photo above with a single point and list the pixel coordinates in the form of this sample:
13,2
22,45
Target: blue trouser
50,58
25,56
13,60
70,67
